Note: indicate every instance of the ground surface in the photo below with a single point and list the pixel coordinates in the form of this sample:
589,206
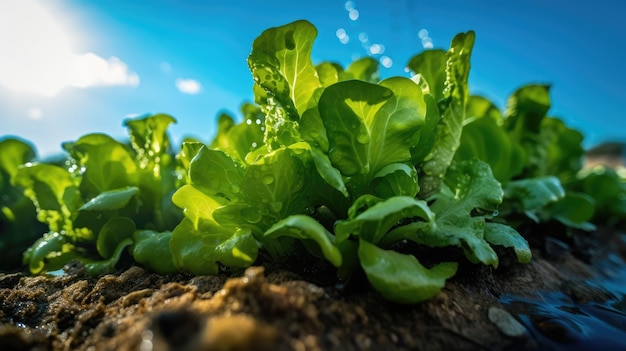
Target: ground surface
564,299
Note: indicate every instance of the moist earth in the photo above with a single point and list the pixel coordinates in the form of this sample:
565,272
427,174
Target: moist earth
297,305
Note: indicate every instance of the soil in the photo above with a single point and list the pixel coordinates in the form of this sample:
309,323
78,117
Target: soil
568,297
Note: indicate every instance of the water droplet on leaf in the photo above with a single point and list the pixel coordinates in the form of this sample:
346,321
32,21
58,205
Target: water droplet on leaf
363,138
251,215
276,206
235,188
268,179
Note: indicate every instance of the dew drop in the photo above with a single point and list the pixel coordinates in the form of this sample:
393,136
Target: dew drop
363,138
276,206
268,179
298,184
251,215
229,216
235,188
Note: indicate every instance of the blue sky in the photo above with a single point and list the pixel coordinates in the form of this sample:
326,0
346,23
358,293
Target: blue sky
71,67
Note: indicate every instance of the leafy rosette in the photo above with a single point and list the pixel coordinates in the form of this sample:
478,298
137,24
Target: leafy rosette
107,191
328,164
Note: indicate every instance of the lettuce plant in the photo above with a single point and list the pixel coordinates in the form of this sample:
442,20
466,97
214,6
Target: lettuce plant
328,161
606,190
346,167
17,228
535,157
108,190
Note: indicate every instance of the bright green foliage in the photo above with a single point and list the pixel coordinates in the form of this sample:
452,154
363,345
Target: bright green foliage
535,157
370,126
605,189
281,66
484,138
430,67
238,140
337,145
55,194
451,107
198,243
17,228
534,194
331,162
309,230
461,211
107,192
230,202
152,250
551,148
398,277
402,278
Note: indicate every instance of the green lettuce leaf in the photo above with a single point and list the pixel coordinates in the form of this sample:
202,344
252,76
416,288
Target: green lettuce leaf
329,73
152,250
532,195
452,109
107,164
400,277
430,66
237,140
364,69
471,196
505,235
371,219
371,126
18,224
306,228
285,79
607,191
199,249
55,194
483,138
112,234
281,64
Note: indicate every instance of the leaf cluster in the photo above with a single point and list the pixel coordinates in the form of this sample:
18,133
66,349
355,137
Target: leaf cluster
106,197
345,166
328,161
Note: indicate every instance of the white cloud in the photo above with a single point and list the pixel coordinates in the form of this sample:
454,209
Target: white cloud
188,86
35,113
91,70
37,54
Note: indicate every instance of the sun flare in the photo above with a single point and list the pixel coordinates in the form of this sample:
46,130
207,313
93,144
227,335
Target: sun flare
37,52
38,57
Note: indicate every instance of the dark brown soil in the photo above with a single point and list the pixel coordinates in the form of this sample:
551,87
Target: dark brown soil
269,308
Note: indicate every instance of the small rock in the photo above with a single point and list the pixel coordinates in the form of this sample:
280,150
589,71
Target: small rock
238,333
505,322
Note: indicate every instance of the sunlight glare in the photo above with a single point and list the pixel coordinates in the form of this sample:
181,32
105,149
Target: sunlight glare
36,50
38,57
